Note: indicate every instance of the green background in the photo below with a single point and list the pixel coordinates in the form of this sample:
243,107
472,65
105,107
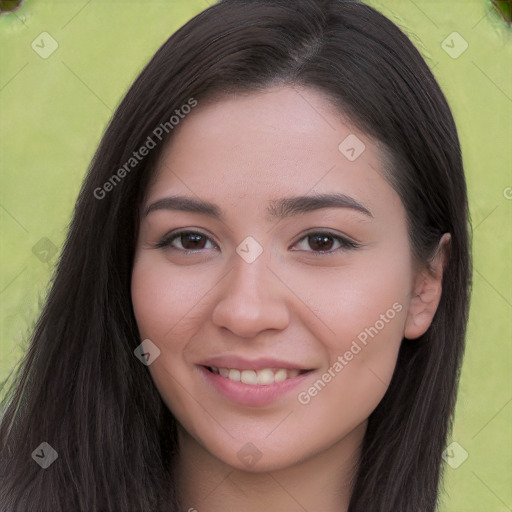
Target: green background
54,111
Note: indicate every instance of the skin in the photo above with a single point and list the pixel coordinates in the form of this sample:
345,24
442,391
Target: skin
291,303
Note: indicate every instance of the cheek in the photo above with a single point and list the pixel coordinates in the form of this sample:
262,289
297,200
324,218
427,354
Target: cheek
360,313
149,299
170,307
362,352
164,310
365,295
165,302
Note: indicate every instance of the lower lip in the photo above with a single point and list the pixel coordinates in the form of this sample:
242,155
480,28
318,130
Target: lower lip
247,394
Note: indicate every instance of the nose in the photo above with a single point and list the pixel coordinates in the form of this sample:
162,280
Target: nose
251,300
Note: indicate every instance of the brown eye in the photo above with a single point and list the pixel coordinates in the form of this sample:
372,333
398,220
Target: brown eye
187,241
192,241
320,242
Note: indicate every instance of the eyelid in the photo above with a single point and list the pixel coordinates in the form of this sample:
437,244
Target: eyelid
165,241
347,243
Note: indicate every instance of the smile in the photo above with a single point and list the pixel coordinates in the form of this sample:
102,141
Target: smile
263,377
253,387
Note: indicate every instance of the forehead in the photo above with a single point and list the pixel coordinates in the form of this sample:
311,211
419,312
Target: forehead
264,145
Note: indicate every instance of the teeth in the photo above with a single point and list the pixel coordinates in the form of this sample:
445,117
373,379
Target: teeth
234,375
280,375
263,377
248,377
266,377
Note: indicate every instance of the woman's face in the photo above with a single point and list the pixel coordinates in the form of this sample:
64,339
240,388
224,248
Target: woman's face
274,274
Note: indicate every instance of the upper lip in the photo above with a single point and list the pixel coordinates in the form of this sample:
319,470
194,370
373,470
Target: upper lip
239,363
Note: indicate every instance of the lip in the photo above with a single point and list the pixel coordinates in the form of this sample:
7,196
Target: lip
247,394
256,364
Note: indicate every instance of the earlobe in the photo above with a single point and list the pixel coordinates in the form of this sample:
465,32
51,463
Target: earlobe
426,294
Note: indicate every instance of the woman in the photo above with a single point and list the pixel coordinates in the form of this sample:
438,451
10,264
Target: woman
262,300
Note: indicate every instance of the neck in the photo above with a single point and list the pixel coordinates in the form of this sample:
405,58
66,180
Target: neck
321,482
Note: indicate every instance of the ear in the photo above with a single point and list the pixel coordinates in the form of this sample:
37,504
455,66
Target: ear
427,292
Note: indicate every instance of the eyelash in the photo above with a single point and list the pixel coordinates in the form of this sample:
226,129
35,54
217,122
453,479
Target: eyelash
345,243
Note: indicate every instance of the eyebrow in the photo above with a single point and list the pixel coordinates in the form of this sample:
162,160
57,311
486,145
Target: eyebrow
277,209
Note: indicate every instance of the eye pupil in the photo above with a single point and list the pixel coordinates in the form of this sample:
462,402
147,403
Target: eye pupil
196,241
320,242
